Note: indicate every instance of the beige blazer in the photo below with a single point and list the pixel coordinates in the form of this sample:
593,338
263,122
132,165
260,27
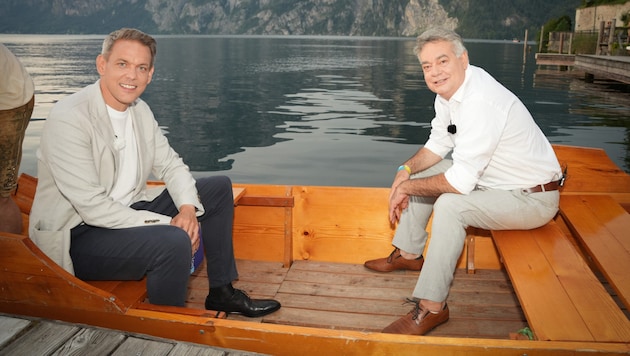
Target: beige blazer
78,165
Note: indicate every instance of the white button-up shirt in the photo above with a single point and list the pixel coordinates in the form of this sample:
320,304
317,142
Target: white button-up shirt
497,144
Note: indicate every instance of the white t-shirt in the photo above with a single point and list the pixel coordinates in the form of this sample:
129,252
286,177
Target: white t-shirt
497,144
125,142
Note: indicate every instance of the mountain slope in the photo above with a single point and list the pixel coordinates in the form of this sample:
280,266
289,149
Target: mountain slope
489,19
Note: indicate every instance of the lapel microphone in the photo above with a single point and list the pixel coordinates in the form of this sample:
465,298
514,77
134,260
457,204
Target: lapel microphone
451,129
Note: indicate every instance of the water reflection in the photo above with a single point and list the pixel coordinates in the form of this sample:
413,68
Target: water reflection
315,110
233,93
603,105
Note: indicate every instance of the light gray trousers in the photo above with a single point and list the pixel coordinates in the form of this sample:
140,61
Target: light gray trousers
489,209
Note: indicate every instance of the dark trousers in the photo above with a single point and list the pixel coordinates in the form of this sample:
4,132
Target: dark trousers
161,252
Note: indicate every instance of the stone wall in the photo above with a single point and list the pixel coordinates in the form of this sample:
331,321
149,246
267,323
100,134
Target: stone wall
588,19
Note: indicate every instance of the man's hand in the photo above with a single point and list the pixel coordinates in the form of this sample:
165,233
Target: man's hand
398,201
432,186
187,220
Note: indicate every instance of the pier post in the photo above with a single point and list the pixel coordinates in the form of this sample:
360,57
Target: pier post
525,47
611,36
588,77
600,34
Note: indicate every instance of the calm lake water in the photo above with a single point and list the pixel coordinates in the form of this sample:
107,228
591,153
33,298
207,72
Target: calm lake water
316,110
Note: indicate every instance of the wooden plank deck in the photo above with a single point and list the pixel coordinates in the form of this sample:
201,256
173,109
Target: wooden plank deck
348,296
313,294
555,59
22,336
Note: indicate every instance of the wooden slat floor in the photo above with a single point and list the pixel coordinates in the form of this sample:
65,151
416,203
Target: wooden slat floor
313,294
22,336
346,296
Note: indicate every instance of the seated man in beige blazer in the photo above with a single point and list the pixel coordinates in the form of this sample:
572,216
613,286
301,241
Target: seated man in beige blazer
93,213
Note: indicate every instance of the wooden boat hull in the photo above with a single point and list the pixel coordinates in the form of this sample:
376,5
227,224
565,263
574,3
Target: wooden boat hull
283,224
291,340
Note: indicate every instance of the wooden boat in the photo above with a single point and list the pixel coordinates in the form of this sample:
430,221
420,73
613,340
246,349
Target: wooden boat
305,245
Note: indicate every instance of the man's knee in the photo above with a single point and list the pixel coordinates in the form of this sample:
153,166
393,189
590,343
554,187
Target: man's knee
214,189
173,242
447,202
216,183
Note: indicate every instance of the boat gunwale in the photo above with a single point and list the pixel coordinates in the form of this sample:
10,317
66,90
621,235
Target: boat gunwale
280,339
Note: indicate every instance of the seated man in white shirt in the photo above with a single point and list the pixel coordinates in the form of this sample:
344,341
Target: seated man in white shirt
503,175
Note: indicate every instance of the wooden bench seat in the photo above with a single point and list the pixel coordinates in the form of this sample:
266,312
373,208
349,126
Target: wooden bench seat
560,296
591,171
602,226
559,293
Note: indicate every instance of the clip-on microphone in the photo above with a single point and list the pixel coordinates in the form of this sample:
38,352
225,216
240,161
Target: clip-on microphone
451,129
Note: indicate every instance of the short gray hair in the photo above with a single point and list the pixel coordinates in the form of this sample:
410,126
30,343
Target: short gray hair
129,34
438,34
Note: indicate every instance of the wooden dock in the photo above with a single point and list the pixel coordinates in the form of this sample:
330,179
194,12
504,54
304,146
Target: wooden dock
32,336
609,67
555,59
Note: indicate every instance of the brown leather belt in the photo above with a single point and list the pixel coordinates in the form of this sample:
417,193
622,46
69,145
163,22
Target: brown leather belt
555,185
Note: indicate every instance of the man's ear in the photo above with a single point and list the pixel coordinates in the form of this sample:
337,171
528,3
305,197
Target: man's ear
464,59
151,71
101,62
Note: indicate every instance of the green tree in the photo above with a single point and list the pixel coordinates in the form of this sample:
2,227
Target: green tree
560,24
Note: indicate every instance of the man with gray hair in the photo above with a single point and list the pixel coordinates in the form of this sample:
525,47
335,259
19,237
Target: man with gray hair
503,175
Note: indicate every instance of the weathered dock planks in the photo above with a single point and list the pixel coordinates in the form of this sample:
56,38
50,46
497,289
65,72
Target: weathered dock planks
609,67
21,336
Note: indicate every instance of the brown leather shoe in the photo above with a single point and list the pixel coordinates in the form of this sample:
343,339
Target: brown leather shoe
394,262
418,321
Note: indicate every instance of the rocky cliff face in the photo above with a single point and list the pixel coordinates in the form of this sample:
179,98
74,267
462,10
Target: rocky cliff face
302,17
264,17
496,19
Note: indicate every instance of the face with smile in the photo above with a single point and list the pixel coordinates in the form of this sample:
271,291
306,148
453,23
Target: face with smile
444,72
125,73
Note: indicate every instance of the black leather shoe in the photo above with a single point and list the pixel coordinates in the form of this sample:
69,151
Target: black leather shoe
240,303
